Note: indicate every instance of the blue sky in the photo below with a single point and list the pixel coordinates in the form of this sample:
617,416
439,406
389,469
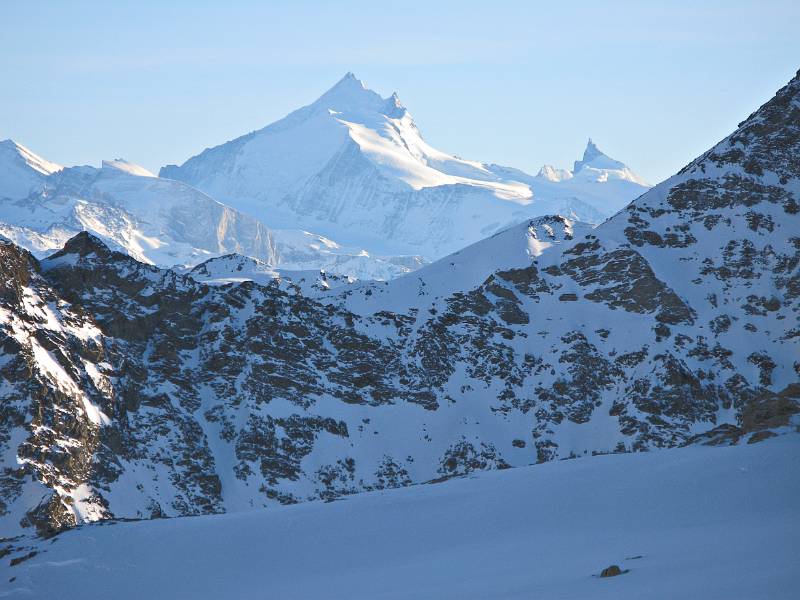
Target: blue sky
516,83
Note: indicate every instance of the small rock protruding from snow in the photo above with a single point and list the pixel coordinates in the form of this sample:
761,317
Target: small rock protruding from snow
611,571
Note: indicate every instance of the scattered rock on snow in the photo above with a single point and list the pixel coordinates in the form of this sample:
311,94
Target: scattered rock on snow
611,571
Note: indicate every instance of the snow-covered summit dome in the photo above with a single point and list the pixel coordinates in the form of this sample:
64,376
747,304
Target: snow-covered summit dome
124,166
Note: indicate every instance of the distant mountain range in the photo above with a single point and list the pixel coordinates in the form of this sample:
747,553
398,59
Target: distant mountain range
155,220
346,185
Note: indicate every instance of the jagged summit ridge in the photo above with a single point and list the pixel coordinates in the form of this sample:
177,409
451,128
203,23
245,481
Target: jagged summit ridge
594,165
347,88
593,156
348,97
353,161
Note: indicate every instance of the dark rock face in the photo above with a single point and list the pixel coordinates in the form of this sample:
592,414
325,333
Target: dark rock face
611,571
130,391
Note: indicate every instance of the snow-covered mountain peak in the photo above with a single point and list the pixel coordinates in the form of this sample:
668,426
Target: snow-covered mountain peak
551,173
349,83
350,100
516,246
22,171
10,149
122,165
393,108
349,95
594,157
597,166
233,268
354,166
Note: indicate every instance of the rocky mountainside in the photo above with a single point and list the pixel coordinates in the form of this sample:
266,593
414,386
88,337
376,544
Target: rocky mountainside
354,166
157,221
132,391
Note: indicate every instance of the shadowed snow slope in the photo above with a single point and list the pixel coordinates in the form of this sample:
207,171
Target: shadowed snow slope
716,523
354,166
154,220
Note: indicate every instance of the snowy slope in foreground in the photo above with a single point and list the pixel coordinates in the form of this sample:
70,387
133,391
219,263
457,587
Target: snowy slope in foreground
711,522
